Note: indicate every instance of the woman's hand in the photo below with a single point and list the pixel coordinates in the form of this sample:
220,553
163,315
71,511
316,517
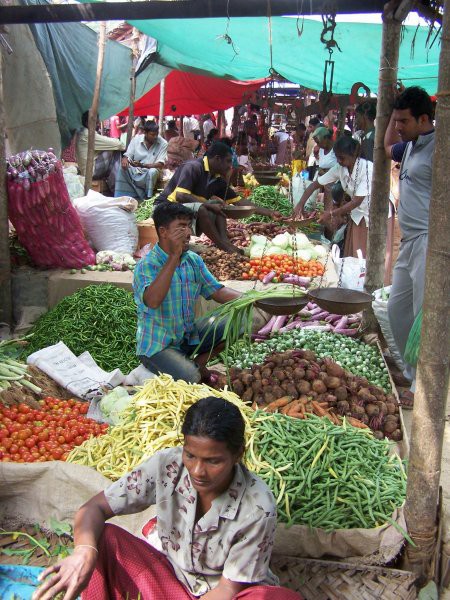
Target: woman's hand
125,162
277,216
325,217
70,575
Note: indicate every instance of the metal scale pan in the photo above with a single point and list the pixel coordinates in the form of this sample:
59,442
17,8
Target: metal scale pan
340,301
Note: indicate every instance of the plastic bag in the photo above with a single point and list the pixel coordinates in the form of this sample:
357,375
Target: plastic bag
299,185
353,269
380,310
113,404
110,223
74,182
47,225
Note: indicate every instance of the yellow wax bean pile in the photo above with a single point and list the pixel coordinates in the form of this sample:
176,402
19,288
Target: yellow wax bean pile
152,421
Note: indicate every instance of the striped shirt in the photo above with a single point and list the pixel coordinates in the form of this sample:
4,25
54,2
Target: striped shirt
172,323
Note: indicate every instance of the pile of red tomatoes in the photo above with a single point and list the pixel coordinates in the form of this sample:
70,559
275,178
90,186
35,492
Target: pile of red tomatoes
47,433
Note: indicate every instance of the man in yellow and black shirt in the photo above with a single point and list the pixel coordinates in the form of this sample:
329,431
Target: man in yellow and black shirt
202,185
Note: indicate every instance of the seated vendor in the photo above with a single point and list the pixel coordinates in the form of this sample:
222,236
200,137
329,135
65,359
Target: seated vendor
141,164
215,524
167,283
202,185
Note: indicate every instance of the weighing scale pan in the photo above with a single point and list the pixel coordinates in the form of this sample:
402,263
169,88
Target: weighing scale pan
340,301
282,305
237,212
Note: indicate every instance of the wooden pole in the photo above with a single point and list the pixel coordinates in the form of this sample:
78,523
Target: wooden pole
162,100
376,244
134,57
428,420
93,111
5,259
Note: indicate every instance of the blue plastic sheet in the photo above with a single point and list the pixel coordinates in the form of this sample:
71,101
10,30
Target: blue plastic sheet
18,582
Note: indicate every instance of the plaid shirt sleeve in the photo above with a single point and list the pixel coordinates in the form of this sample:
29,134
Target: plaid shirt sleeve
209,283
144,274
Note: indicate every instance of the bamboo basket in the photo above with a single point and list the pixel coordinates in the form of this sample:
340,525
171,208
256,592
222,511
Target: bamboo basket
331,580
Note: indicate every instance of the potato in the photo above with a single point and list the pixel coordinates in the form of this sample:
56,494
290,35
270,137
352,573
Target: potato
303,386
319,386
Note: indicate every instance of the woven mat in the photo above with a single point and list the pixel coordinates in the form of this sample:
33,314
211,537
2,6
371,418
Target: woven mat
38,558
327,580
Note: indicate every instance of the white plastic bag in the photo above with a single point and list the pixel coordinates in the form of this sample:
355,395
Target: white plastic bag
380,309
80,375
74,182
299,185
353,269
138,376
110,223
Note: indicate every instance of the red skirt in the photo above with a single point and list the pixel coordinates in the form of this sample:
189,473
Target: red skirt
130,568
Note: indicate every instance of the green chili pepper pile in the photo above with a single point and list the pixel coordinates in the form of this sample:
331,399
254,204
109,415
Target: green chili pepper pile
327,476
100,319
268,196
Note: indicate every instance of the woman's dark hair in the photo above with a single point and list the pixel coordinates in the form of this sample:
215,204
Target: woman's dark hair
217,419
218,149
347,145
417,100
166,212
368,108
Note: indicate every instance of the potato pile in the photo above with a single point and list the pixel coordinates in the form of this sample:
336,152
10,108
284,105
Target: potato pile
297,382
225,266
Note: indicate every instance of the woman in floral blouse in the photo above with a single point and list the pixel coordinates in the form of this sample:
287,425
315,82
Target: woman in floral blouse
215,524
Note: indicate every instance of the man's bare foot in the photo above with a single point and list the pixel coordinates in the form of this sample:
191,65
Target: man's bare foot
406,399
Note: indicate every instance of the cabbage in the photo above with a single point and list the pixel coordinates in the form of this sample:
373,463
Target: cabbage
274,250
300,240
320,251
257,251
113,404
304,254
259,239
282,240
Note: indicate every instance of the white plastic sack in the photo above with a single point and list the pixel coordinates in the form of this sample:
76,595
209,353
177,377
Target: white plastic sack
80,375
299,185
110,223
380,309
74,182
353,269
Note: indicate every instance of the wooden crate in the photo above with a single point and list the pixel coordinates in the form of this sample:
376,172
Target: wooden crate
332,580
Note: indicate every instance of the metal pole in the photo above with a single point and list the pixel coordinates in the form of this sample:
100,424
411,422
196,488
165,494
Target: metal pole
432,379
5,259
93,111
162,100
381,179
134,57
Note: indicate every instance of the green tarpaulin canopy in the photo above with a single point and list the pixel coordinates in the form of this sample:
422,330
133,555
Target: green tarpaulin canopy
199,45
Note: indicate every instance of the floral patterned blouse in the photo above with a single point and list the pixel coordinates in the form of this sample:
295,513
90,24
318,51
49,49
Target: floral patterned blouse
234,538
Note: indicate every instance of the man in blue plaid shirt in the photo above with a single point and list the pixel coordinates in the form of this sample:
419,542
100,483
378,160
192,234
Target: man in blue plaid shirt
167,283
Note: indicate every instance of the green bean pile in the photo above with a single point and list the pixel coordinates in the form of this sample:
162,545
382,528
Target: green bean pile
327,476
353,355
98,318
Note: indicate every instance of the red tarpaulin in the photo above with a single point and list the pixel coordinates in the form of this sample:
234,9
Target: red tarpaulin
187,94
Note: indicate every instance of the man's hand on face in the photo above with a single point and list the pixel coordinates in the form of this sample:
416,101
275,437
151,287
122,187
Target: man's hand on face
176,242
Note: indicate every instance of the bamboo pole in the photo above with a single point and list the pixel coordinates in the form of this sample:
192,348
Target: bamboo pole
5,259
428,420
134,58
376,244
93,111
162,101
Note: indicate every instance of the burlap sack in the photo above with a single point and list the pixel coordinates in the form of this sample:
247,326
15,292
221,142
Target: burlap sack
32,493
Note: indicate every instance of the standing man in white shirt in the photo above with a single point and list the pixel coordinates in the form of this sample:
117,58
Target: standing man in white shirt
191,127
208,124
141,164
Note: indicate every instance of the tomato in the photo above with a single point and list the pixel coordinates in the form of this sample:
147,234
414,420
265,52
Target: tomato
30,442
7,443
57,453
43,435
79,440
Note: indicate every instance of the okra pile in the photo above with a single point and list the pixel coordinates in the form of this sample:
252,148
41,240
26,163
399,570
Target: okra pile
327,476
100,319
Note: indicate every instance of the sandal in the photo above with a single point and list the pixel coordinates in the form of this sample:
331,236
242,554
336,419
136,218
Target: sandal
406,400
